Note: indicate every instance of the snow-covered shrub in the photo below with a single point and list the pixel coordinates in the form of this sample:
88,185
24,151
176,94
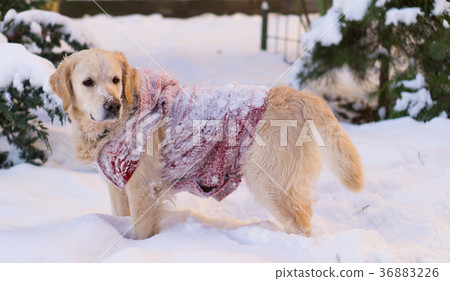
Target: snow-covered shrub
47,34
24,93
415,97
397,40
20,5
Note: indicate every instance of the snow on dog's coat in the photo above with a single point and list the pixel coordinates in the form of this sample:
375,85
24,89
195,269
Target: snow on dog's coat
206,167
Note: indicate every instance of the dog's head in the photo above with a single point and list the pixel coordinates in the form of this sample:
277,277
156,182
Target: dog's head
96,82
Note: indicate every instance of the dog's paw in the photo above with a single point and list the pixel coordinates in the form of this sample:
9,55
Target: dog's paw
131,234
136,234
139,233
293,227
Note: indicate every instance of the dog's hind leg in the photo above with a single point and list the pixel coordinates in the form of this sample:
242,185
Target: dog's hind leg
301,191
283,180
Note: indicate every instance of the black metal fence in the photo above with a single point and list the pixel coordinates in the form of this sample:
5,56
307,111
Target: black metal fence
282,29
175,8
281,32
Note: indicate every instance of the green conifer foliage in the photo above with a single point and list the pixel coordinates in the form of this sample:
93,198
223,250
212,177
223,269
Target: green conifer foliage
19,104
19,5
51,42
20,126
393,52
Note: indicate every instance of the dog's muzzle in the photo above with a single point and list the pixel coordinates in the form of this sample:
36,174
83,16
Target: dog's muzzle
112,109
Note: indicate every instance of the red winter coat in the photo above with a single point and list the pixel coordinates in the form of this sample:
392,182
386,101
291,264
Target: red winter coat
208,132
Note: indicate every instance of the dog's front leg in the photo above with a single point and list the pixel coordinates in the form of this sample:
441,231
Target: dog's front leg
146,206
119,201
147,196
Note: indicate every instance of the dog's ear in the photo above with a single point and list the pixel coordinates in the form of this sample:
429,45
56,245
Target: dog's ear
61,84
130,78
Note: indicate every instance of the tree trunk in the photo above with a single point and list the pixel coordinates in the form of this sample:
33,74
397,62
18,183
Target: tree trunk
383,100
383,78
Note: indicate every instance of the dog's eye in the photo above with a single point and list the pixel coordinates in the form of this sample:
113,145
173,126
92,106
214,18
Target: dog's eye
88,82
116,80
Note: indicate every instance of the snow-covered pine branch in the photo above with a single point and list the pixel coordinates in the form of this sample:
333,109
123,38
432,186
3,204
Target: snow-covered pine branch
25,94
47,34
395,40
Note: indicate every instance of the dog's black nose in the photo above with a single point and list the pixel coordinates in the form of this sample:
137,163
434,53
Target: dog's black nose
112,106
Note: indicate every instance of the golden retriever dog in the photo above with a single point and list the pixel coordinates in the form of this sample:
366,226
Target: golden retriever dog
99,90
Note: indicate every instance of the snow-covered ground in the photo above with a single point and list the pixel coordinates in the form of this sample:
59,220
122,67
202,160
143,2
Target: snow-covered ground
59,212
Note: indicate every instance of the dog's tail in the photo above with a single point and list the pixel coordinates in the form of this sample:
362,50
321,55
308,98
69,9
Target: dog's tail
338,152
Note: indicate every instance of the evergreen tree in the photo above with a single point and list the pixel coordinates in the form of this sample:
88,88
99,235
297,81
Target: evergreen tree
19,5
397,40
48,39
20,126
51,36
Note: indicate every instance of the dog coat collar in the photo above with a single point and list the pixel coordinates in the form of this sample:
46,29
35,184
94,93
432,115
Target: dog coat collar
208,132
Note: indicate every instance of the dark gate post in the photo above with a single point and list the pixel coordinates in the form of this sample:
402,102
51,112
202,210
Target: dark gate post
265,12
